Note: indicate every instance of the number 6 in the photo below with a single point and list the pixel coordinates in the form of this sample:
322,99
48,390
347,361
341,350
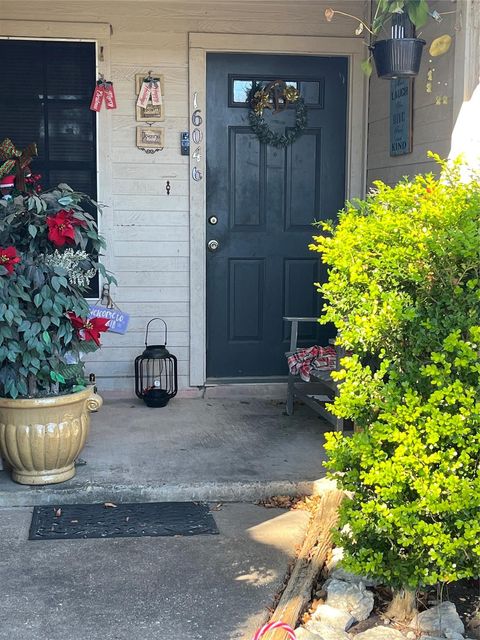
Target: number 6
196,118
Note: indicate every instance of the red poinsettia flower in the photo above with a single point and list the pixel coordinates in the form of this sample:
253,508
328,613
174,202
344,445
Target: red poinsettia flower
89,328
61,227
9,258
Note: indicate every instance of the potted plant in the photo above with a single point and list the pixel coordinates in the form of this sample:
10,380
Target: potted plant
49,252
399,55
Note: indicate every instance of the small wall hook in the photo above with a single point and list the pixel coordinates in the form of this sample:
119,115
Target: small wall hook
168,187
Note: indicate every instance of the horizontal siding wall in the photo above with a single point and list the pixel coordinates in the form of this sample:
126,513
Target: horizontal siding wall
149,230
432,124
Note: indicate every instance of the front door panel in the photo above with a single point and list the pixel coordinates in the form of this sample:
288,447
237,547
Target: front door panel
265,200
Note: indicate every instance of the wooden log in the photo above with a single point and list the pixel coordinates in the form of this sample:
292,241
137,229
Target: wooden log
309,563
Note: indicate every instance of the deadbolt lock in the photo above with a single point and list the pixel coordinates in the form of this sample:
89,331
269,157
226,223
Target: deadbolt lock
213,220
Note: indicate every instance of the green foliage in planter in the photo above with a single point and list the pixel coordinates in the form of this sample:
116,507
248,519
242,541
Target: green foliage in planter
403,292
40,348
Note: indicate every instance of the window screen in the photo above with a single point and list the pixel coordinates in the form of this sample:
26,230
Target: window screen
48,89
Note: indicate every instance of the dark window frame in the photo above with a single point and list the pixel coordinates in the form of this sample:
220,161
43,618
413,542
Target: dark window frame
44,96
265,78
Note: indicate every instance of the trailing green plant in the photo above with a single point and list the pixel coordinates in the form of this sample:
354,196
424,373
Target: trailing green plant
403,292
49,251
417,11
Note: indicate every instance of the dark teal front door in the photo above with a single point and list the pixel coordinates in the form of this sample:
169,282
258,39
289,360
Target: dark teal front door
265,200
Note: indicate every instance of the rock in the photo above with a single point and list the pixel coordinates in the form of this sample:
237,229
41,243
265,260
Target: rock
336,618
439,620
323,631
437,638
380,633
304,634
340,574
336,557
453,635
350,597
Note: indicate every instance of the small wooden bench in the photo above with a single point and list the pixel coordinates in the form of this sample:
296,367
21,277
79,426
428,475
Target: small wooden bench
320,390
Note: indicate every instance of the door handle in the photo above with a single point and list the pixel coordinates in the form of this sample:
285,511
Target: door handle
213,245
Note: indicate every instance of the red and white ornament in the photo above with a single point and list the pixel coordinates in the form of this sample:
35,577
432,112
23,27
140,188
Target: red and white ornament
150,90
103,92
270,626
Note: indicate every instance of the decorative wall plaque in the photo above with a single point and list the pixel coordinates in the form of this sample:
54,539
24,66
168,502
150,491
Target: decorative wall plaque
150,139
152,112
401,112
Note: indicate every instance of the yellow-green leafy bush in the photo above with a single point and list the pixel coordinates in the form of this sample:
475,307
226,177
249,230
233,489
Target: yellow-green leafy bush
403,292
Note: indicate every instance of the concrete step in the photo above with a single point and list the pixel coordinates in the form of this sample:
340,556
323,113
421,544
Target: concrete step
16,495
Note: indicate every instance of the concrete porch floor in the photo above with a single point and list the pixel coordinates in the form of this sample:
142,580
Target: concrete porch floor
204,587
212,448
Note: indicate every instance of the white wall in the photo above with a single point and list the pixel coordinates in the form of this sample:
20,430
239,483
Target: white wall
148,231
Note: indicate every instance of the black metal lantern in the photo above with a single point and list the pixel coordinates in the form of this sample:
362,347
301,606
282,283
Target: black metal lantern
156,379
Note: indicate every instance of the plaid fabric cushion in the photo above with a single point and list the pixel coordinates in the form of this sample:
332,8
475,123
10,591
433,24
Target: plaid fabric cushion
304,362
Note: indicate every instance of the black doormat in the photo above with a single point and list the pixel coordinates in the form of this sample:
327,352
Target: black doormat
131,520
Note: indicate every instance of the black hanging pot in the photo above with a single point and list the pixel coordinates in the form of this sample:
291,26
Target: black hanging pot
398,57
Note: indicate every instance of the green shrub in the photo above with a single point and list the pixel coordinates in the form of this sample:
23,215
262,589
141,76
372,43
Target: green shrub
403,292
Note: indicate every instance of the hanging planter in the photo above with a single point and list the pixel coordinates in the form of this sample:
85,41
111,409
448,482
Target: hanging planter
397,57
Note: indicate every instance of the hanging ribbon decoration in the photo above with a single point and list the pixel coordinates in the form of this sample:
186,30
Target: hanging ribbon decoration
14,160
104,92
150,89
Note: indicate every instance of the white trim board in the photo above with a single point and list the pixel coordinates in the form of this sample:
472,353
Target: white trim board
39,29
357,112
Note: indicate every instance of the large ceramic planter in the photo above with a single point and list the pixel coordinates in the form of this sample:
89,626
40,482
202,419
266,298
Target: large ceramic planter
40,438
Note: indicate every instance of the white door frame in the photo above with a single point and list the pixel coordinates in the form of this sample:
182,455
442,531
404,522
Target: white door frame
357,112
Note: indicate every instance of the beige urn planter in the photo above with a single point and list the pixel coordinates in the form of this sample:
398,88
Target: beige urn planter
40,438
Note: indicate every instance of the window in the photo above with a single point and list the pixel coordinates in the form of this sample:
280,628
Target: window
46,98
312,91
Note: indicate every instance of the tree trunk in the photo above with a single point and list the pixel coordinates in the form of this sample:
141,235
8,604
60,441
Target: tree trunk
402,606
32,385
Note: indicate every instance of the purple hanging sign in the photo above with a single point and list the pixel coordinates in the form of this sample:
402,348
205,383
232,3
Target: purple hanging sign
117,319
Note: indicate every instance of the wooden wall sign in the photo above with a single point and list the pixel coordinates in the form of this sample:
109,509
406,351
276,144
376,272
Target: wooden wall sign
150,139
151,113
401,116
